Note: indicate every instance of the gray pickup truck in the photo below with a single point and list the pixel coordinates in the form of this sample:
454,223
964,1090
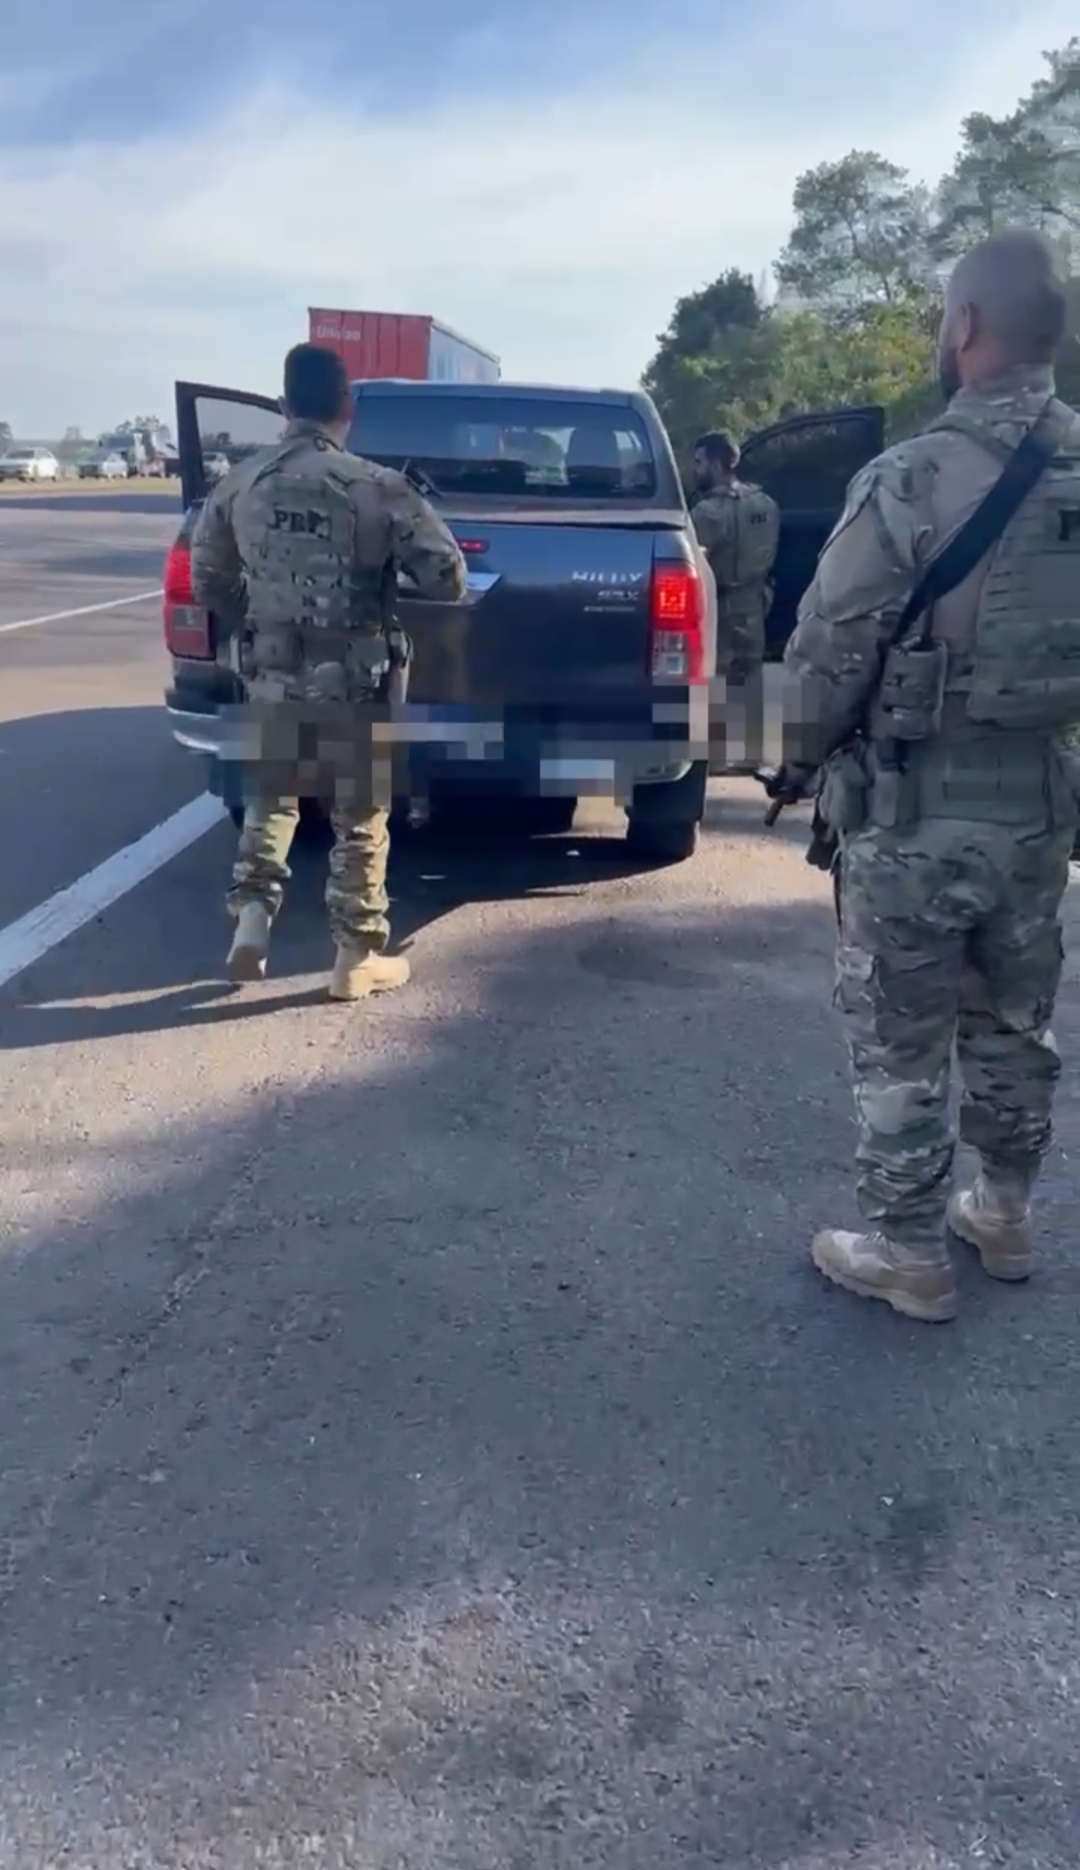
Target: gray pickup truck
584,658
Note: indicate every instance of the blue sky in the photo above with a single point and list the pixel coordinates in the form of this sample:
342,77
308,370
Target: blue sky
180,179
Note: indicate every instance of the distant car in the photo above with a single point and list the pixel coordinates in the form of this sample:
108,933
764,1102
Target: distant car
110,466
29,464
216,465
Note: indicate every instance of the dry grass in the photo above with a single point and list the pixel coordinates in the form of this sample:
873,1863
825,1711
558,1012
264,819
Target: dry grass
88,489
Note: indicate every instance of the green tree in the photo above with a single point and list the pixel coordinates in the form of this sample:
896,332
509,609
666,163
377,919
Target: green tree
6,435
1019,170
1053,103
887,355
863,265
861,236
1068,362
715,365
702,324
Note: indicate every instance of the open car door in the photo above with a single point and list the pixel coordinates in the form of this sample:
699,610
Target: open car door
216,428
805,463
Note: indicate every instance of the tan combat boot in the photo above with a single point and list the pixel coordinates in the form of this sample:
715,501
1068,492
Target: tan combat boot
251,943
359,972
994,1219
917,1281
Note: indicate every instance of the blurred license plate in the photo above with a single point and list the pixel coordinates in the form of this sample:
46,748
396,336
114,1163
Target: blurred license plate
595,774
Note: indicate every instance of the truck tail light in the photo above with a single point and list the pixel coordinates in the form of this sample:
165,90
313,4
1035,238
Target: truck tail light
677,625
187,627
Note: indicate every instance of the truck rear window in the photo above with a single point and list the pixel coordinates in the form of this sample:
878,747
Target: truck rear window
543,449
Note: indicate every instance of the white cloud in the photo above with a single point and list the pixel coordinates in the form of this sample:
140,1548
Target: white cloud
558,234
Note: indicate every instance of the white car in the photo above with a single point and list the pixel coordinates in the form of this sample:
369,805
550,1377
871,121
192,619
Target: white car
109,466
29,464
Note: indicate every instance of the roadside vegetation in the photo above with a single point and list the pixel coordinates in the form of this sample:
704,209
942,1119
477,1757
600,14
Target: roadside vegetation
855,316
70,484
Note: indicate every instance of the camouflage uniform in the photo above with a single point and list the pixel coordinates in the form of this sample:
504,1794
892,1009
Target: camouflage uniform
300,545
738,527
951,885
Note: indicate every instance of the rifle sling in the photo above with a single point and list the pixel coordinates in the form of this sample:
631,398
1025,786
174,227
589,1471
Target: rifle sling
1020,475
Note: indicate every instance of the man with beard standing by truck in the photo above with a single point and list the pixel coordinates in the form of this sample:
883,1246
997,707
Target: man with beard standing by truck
933,677
738,526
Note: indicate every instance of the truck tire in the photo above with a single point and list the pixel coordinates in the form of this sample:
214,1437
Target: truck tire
548,817
663,821
661,843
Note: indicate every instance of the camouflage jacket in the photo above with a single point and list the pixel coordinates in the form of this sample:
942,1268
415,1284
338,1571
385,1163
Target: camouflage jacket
299,546
901,509
738,528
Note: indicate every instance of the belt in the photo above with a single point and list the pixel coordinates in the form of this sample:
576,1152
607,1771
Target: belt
1004,779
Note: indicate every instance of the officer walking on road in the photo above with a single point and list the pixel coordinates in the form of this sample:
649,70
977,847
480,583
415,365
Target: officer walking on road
933,673
300,546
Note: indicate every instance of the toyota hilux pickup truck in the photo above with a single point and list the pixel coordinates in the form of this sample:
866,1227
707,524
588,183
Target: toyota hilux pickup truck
583,659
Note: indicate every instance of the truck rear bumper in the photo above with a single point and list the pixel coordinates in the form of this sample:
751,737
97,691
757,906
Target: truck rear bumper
461,751
196,733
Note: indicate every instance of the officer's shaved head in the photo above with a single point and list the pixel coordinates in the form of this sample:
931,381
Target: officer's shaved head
1004,305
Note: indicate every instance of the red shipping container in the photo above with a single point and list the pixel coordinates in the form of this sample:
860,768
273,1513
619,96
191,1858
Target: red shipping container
400,344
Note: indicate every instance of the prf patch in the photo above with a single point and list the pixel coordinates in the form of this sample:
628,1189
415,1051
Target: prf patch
310,524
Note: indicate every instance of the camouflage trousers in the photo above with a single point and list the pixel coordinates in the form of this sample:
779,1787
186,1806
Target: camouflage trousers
951,935
356,899
740,652
740,638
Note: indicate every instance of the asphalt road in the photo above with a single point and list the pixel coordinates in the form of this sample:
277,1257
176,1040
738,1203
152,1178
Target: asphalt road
424,1442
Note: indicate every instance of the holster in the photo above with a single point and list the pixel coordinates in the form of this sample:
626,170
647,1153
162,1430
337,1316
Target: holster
824,842
395,686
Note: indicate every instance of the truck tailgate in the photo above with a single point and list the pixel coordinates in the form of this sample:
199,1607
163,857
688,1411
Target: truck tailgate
558,614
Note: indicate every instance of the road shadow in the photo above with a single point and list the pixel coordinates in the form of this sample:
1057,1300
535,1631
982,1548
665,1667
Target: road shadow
170,973
464,1453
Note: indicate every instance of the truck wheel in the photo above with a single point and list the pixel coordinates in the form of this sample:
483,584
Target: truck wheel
548,817
664,820
659,843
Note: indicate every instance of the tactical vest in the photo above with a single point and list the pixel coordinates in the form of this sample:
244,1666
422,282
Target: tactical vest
743,558
303,568
1023,671
757,533
1012,685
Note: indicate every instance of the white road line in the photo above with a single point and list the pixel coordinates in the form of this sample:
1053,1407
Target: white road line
25,941
84,610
